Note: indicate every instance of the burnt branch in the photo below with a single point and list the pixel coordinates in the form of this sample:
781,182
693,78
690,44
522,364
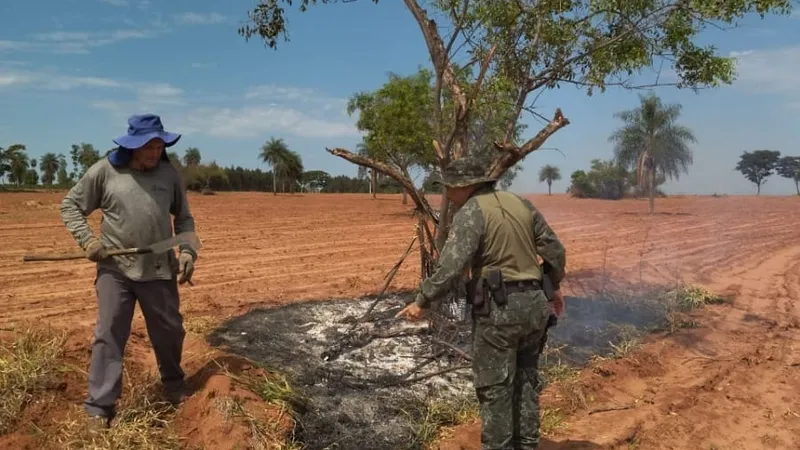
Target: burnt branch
420,201
511,154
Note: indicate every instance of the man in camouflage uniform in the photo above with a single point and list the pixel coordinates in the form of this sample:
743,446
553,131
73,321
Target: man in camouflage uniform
499,230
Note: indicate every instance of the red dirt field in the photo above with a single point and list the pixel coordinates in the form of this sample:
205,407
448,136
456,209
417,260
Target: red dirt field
732,383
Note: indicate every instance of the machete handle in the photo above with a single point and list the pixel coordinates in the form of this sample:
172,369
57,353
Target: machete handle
82,255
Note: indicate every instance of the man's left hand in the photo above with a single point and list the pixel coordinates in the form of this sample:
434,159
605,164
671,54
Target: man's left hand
412,312
185,267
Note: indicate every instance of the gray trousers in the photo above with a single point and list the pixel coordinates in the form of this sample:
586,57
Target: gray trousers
116,300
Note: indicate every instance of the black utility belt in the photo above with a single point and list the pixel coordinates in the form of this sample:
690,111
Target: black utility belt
513,287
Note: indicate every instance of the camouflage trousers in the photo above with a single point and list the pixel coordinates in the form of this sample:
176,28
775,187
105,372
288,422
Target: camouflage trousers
506,348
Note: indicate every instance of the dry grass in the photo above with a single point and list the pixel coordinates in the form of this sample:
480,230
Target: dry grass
30,363
682,300
200,325
143,422
275,389
263,436
551,420
435,415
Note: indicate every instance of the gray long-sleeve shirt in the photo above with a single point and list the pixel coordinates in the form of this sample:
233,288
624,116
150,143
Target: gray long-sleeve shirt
136,208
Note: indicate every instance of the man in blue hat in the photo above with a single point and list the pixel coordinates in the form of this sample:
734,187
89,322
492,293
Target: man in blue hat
137,189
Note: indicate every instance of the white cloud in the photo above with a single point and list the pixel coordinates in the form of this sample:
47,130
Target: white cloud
303,95
254,121
192,18
52,81
75,41
768,70
209,114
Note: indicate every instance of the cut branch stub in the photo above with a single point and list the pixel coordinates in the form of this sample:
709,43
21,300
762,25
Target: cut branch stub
511,154
420,202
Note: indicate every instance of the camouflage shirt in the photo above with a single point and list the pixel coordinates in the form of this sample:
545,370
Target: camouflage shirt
495,229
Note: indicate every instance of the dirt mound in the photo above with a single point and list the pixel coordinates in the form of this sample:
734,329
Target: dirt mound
225,416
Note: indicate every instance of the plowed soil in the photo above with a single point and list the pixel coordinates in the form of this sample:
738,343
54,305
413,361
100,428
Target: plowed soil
731,383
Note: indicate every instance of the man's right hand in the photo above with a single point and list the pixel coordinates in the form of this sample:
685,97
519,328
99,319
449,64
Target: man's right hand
95,251
558,302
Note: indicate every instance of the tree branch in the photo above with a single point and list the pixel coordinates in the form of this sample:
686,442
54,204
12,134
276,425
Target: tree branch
512,154
436,48
421,203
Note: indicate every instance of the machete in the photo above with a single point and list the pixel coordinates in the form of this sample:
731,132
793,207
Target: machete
189,238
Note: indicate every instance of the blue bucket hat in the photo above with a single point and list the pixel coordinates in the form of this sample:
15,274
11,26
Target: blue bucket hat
141,129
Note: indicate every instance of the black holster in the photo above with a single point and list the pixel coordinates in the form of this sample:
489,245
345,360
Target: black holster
494,281
477,296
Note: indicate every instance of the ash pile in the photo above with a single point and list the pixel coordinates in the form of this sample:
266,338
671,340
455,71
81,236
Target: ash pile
366,379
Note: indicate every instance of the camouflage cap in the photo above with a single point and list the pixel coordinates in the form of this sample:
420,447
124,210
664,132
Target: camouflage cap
464,172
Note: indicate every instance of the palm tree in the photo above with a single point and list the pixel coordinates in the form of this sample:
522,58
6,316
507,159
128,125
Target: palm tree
274,153
16,163
292,169
549,174
651,143
49,166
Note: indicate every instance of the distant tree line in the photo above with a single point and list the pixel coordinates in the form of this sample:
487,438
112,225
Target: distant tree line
19,170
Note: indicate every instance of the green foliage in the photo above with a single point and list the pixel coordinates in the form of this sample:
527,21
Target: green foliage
397,120
789,167
316,180
14,161
287,166
49,165
62,177
652,144
606,179
756,166
492,118
591,43
192,157
549,174
83,157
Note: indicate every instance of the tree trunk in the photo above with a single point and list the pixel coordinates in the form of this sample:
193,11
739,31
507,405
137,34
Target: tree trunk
405,197
274,184
652,189
797,186
549,188
758,188
374,183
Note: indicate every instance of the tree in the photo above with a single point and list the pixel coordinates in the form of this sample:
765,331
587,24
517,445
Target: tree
175,160
14,162
652,144
789,167
63,178
49,166
285,163
606,180
316,179
362,150
83,157
758,166
396,118
549,174
530,48
192,157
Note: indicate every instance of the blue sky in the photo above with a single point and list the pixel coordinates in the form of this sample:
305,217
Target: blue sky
73,70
